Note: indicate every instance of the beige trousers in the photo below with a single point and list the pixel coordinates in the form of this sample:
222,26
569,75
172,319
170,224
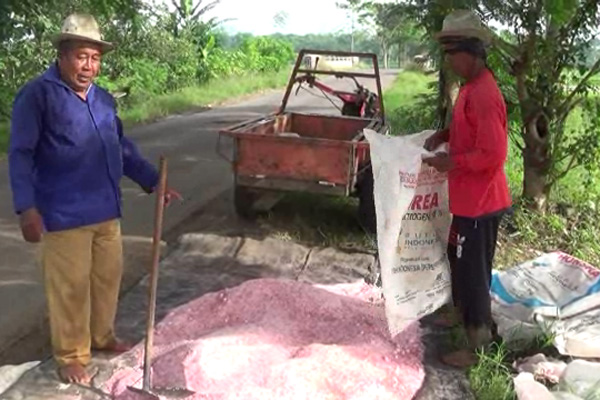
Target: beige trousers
82,274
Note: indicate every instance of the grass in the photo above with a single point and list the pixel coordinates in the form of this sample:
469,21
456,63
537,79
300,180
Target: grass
570,225
3,137
405,89
317,220
402,103
491,378
187,99
210,94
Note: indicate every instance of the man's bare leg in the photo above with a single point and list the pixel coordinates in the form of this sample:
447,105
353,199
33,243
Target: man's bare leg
115,346
74,373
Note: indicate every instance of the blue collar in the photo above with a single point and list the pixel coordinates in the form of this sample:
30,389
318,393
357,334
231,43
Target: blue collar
52,74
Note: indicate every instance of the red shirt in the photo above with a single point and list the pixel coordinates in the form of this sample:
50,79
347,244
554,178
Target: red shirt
478,143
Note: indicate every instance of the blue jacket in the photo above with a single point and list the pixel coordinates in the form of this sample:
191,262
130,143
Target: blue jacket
67,155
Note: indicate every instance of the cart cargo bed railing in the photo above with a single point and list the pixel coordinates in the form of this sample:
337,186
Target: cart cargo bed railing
319,152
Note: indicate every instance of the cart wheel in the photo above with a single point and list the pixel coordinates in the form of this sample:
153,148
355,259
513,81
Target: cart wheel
244,199
366,201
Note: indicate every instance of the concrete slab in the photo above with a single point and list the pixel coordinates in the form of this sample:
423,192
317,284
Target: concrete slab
27,338
441,381
206,245
287,257
22,299
330,266
186,276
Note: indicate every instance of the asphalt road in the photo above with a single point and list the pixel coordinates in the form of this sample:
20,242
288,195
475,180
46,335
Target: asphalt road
195,170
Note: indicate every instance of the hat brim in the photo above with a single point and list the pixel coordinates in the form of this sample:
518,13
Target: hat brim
482,35
105,46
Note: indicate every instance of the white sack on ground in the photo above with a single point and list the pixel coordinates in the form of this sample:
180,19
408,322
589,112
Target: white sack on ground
413,222
556,294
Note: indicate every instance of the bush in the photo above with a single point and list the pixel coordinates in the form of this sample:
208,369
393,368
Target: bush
265,54
411,103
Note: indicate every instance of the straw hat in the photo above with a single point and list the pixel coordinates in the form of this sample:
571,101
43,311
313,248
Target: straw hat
81,27
465,24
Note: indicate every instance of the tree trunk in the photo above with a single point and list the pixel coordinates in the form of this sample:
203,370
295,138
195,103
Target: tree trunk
537,158
441,97
535,186
385,56
537,163
447,95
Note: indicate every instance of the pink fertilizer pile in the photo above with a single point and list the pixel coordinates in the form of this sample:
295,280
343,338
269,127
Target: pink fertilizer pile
273,339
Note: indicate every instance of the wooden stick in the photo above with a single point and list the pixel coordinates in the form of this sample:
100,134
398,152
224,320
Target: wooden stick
158,222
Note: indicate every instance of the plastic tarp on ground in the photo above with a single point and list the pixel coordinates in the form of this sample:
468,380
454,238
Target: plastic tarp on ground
555,294
9,374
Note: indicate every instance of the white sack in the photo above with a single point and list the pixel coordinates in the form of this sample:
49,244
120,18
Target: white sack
556,294
413,223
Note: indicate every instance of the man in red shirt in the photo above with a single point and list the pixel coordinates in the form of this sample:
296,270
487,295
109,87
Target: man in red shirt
477,185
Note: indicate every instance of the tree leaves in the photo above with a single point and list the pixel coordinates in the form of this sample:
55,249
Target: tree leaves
561,11
548,48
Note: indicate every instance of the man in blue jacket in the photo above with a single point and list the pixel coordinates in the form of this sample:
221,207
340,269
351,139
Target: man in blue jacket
66,158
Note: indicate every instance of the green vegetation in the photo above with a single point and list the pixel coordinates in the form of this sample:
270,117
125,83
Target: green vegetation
166,61
491,378
407,87
317,220
403,100
208,94
3,137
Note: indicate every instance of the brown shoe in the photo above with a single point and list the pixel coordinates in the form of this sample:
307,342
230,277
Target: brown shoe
74,373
